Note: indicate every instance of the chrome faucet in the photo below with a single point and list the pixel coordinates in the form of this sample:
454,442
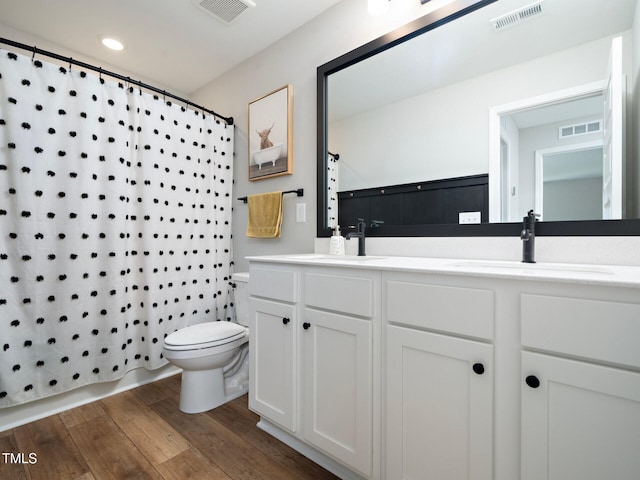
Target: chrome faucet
528,236
360,234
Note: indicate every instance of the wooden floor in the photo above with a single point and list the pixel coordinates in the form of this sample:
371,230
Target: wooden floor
141,434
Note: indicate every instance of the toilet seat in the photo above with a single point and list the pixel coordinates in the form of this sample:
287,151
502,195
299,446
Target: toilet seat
204,335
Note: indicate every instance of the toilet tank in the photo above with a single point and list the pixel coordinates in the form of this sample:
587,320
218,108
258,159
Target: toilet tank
241,295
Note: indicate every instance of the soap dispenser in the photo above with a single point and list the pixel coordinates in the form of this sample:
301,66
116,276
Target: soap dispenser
336,247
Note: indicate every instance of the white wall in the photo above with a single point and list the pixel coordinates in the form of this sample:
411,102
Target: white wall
417,139
577,199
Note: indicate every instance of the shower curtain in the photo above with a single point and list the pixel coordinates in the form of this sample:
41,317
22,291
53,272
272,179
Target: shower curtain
332,192
115,226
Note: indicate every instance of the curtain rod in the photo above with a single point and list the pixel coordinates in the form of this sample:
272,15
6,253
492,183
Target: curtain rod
70,60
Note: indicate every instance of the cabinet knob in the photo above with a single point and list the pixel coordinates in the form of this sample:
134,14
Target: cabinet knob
286,320
306,325
478,368
532,381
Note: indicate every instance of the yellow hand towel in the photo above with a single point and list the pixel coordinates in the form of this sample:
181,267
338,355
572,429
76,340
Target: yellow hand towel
265,215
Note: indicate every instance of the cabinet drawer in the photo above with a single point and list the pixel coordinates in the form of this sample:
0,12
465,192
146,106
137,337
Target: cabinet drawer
599,330
273,283
463,311
340,293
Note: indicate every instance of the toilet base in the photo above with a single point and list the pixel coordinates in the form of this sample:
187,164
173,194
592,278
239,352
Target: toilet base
206,391
202,390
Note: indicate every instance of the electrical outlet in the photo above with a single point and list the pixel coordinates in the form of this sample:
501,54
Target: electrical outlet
301,212
469,217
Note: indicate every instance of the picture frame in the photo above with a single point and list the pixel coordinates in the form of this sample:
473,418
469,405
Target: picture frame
270,134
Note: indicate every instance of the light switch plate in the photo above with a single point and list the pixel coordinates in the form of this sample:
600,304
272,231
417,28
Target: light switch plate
301,212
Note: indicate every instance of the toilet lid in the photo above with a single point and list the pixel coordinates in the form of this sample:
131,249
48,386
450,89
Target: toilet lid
204,335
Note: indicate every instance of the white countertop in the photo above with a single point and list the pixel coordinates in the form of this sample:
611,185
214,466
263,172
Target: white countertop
604,275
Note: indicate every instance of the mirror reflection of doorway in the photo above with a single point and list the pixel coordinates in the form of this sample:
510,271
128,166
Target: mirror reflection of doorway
569,182
553,130
585,113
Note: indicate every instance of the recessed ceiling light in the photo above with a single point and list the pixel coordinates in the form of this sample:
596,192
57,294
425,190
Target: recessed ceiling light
112,43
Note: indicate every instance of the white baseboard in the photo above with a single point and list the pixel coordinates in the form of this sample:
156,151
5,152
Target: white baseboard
308,451
12,417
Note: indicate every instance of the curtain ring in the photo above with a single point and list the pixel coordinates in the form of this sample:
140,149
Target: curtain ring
33,55
70,63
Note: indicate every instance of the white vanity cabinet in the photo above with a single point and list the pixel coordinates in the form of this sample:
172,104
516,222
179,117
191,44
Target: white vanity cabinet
439,413
580,389
338,387
273,322
338,364
398,368
311,357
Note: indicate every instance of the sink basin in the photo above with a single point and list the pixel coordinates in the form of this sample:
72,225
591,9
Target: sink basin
532,267
353,258
332,258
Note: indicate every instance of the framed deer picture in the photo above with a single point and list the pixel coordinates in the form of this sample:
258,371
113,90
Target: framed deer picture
270,134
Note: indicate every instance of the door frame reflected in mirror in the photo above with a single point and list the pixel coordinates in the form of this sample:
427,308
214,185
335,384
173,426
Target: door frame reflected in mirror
498,113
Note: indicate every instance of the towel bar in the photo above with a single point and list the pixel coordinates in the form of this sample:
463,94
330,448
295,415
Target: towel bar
299,192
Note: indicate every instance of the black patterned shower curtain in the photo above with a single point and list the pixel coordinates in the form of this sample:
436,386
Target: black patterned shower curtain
115,226
332,191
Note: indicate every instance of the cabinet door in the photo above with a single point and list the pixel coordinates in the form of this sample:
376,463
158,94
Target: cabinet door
272,366
338,387
439,407
579,420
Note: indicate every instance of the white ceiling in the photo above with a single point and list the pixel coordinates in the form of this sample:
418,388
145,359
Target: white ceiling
172,42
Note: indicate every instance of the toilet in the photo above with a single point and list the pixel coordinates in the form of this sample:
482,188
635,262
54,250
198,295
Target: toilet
213,356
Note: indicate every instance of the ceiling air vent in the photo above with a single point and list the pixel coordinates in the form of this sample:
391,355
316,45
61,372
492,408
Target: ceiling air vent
224,10
567,131
518,16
